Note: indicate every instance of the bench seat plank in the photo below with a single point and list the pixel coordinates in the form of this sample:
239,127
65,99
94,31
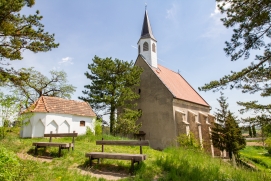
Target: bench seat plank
123,142
54,144
61,135
119,156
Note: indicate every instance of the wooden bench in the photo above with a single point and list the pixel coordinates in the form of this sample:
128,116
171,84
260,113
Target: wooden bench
56,144
119,156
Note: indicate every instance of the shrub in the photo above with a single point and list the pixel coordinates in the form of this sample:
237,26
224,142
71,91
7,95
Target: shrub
89,136
188,141
9,165
268,144
98,128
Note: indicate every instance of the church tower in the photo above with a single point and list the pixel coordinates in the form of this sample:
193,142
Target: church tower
147,43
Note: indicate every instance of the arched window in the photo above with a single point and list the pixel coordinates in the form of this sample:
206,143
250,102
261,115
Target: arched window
138,49
153,47
82,123
145,46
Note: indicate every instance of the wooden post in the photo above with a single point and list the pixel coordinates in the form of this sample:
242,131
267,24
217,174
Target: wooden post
140,148
73,142
102,146
132,166
90,161
50,139
36,150
59,151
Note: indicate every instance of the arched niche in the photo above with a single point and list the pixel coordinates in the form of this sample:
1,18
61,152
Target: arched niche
52,126
38,129
64,127
27,129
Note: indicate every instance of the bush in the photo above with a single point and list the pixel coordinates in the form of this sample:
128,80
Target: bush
9,165
268,144
188,141
98,128
89,136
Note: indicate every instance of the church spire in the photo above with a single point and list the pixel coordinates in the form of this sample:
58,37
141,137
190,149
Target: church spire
147,43
146,31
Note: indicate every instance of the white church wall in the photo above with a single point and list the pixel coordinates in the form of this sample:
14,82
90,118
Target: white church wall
65,127
26,129
89,122
38,129
41,123
54,123
51,127
38,121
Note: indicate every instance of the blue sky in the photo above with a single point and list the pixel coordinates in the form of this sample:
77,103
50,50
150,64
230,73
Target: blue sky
189,33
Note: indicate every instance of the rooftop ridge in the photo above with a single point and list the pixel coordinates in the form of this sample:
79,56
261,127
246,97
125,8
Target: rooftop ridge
193,88
62,106
177,94
45,104
185,81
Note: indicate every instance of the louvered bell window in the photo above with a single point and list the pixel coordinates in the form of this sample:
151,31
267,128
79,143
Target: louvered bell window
153,47
145,46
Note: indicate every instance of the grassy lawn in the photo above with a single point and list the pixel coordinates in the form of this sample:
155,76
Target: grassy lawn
258,156
170,164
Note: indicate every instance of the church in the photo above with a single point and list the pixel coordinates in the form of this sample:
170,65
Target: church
169,104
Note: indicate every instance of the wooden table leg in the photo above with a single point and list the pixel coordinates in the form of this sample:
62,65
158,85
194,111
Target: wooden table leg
90,161
59,151
132,166
36,150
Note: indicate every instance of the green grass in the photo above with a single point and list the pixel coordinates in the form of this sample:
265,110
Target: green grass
258,156
170,164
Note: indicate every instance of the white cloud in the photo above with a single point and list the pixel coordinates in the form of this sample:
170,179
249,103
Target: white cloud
66,61
172,12
216,27
134,46
216,12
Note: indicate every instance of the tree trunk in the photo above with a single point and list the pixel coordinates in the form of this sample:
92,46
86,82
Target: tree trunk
233,159
112,119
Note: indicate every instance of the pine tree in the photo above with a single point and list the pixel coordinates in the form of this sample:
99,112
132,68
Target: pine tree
112,87
254,131
250,131
20,32
234,141
218,128
251,31
226,134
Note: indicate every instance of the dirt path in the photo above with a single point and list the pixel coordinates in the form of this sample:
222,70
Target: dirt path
103,174
254,144
94,173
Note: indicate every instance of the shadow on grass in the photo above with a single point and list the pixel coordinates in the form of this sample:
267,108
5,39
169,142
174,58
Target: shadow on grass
48,152
108,169
104,170
185,171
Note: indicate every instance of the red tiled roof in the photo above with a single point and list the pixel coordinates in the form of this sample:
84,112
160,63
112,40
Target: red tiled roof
178,86
62,106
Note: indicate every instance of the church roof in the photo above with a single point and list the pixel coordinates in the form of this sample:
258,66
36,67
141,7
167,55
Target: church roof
178,86
146,31
61,106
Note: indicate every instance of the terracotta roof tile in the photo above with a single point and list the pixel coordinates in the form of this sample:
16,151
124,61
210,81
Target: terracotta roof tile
178,86
62,106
